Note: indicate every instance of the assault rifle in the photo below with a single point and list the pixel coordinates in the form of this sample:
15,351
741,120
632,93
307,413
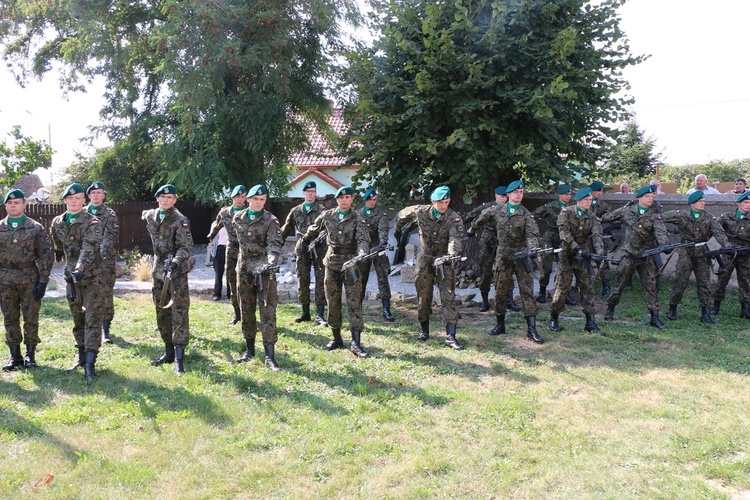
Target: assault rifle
312,248
75,290
446,260
351,264
524,255
655,253
167,290
588,258
731,251
266,270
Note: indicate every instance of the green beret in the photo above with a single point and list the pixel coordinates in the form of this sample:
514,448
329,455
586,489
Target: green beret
583,193
166,189
14,194
96,185
513,186
309,185
500,190
238,190
597,186
370,193
564,189
645,190
74,188
344,190
743,196
697,195
441,193
257,190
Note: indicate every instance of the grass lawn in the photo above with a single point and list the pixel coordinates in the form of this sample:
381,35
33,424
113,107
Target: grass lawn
638,413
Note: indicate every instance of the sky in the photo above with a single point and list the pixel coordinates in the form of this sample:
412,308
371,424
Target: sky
692,94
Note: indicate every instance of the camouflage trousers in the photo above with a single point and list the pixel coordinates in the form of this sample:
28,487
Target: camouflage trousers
250,299
487,254
230,268
109,276
427,277
174,321
647,272
504,271
566,269
15,300
87,319
742,264
334,282
690,260
382,270
547,260
304,263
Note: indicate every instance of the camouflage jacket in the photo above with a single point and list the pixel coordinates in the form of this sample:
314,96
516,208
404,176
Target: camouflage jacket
515,232
345,237
546,218
488,232
642,232
26,253
224,219
300,221
600,207
579,231
81,242
696,230
737,231
110,227
171,239
377,225
443,236
259,239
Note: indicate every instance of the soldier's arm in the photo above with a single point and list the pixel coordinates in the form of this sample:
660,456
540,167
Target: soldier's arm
670,216
183,241
314,230
111,236
274,241
289,225
406,215
92,241
383,229
614,216
719,233
660,232
57,244
218,224
44,255
456,236
362,234
597,237
562,226
531,230
485,217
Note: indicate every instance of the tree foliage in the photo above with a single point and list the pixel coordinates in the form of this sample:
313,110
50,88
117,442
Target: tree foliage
211,83
22,156
684,175
633,153
462,91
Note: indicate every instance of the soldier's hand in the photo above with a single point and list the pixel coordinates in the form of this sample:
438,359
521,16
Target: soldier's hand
172,266
667,251
77,275
68,277
397,234
583,253
383,245
39,290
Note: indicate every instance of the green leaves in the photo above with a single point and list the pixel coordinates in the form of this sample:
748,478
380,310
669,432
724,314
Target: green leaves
22,155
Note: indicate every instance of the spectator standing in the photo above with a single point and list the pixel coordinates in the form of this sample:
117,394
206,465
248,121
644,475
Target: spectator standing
624,188
220,257
740,187
701,184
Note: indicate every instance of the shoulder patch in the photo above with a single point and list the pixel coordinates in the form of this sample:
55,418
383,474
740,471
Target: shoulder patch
113,215
276,221
94,221
564,209
457,219
714,218
184,225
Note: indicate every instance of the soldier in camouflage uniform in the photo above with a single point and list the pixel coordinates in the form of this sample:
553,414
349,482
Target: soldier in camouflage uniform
517,231
644,230
546,217
347,236
736,225
600,207
579,229
79,235
224,219
110,228
24,273
259,236
172,242
441,232
377,227
695,226
300,218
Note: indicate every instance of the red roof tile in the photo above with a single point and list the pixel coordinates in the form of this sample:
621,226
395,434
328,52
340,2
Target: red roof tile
321,153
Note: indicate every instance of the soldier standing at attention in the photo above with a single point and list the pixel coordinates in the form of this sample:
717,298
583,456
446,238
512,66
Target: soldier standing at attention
24,273
441,233
736,225
259,235
695,226
79,235
347,237
377,227
546,217
172,241
517,231
224,219
110,229
644,230
600,207
576,225
300,218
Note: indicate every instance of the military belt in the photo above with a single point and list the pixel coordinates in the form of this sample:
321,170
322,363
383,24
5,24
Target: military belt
10,265
342,251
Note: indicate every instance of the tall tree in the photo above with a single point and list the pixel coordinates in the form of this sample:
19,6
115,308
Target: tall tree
633,153
22,156
471,92
211,83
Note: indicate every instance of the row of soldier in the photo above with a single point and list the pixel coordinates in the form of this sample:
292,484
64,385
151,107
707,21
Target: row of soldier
344,243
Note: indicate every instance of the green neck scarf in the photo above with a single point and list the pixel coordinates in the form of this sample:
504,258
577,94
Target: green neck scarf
435,214
251,216
695,214
308,206
94,210
15,222
368,211
343,215
513,208
581,212
642,210
741,215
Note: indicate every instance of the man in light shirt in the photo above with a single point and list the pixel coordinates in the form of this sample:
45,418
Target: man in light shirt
701,184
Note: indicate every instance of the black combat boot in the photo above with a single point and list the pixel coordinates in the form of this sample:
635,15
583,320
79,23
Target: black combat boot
387,310
745,313
591,325
716,307
656,322
706,316
531,333
356,346
542,298
237,315
271,357
249,353
167,357
424,334
305,316
605,288
337,342
88,368
320,316
672,314
16,358
81,358
512,303
610,314
105,332
554,321
450,338
29,361
485,302
179,356
500,326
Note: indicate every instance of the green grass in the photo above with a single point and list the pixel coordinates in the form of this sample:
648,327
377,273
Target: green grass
638,413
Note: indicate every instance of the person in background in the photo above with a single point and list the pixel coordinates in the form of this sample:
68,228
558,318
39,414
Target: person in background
701,184
740,187
657,183
624,188
220,257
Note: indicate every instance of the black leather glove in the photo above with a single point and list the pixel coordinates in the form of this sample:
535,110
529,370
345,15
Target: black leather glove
667,251
397,234
383,245
77,275
68,277
583,253
172,266
39,290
